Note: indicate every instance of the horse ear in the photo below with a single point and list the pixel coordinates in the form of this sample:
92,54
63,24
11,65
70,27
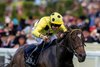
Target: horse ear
74,27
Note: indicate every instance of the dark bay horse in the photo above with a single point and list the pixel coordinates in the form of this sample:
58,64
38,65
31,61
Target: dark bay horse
59,55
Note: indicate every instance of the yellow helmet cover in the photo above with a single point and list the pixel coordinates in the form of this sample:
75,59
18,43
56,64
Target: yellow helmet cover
56,18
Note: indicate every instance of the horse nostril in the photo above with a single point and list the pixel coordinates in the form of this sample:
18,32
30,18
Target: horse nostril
84,55
80,55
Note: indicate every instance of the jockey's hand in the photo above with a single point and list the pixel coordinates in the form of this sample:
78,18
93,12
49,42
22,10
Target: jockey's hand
45,38
63,34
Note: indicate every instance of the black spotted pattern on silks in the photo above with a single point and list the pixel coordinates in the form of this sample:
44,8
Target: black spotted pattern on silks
47,27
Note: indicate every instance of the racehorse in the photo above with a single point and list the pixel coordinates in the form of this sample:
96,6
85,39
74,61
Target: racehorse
59,55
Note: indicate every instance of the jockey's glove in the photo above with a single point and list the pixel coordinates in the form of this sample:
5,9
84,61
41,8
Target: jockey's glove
45,38
63,34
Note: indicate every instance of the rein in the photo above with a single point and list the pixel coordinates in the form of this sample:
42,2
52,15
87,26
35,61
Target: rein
74,30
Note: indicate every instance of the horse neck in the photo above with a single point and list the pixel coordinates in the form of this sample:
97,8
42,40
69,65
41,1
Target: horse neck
64,55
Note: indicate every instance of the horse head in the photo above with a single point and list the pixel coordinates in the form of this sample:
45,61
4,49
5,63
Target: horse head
74,42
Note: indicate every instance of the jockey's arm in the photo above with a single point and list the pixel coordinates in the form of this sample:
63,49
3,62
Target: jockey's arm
40,26
63,28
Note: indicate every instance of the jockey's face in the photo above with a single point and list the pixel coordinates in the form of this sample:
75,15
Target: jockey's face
55,26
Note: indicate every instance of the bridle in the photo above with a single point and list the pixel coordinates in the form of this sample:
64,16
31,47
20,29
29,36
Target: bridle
71,48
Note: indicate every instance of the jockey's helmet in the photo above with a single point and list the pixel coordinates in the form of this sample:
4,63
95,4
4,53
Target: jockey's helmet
56,18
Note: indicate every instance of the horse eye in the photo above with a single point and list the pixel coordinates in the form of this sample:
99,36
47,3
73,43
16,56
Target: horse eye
73,37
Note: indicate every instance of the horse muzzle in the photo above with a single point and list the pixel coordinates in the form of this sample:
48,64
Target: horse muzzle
81,57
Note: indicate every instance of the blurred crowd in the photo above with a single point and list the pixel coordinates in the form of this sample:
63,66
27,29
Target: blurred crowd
17,32
89,22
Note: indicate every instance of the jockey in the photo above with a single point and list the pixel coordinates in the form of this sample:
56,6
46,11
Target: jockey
44,31
47,27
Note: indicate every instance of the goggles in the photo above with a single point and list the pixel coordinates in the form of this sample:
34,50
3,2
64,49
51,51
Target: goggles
56,25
